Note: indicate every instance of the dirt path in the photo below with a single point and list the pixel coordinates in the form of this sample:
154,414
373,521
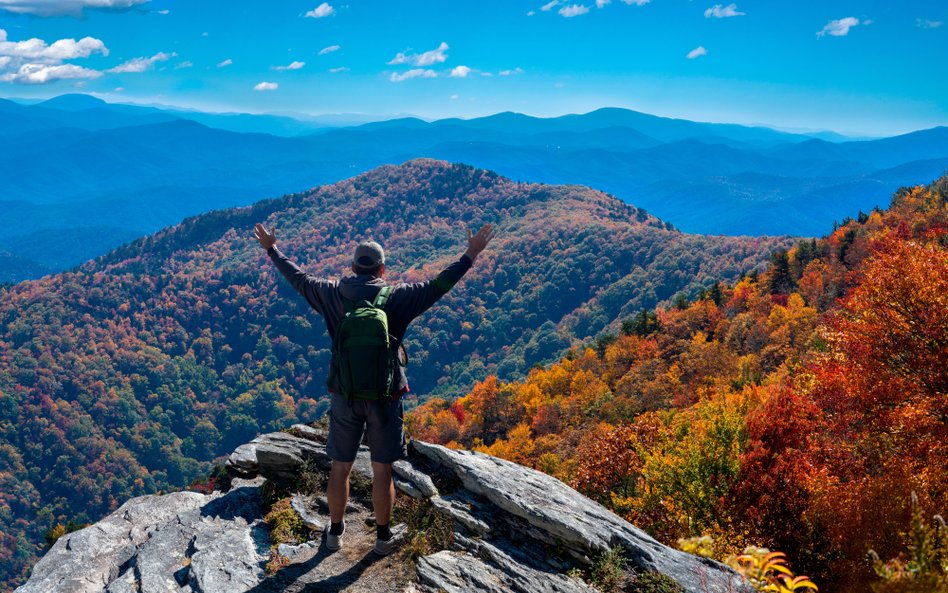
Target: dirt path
353,569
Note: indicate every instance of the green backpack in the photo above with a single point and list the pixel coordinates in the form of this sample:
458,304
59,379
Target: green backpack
365,353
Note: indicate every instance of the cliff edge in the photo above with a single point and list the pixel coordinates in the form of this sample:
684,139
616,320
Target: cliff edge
511,529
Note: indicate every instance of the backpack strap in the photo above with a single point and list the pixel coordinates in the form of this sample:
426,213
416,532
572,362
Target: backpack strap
382,297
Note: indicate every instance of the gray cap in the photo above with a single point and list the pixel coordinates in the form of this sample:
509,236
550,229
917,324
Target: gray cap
368,255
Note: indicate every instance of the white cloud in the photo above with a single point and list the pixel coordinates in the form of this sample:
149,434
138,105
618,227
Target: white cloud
141,64
225,63
45,73
601,3
531,12
119,89
323,10
573,10
183,65
413,73
329,50
165,11
291,66
549,6
637,2
838,28
460,72
64,49
33,61
63,7
266,86
428,58
927,24
516,70
455,97
719,11
339,69
697,52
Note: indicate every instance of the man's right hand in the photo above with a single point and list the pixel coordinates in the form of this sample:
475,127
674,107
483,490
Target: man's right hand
267,238
477,243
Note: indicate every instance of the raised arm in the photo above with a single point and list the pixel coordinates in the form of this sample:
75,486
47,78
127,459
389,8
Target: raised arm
311,287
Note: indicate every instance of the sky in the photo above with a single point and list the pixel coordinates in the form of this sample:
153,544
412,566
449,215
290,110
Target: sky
863,68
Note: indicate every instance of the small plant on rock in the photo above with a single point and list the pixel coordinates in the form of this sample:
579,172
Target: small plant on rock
654,582
608,571
429,531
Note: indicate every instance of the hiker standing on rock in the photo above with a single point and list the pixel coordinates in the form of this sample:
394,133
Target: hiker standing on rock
367,320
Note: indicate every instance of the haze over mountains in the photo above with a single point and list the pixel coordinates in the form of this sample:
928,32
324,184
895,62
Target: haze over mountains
81,176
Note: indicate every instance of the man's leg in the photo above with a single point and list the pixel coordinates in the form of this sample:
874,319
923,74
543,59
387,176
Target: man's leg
337,493
383,492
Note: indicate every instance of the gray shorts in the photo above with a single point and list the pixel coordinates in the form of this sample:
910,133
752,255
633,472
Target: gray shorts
381,420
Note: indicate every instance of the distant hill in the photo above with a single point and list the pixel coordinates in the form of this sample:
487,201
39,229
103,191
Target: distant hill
140,367
135,169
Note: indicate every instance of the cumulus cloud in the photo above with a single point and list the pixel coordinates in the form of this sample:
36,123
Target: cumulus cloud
719,11
413,73
64,49
321,11
549,6
225,63
291,66
460,72
697,52
266,86
573,10
839,27
428,58
33,61
516,70
601,3
63,7
45,73
928,24
141,64
329,50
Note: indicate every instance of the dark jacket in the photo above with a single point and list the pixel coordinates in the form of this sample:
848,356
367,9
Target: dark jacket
405,303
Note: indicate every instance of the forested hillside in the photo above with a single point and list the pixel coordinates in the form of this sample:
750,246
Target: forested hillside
804,409
132,373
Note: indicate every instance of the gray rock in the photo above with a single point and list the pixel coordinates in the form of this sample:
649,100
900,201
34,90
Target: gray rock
302,508
308,432
460,572
421,481
278,457
584,527
292,551
89,560
225,557
162,561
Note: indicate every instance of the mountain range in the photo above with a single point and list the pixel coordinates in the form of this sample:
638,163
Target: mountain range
81,176
131,373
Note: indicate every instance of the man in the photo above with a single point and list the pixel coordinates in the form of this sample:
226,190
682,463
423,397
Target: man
349,417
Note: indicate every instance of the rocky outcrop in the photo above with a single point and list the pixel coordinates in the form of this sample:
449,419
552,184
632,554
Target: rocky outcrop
514,529
184,542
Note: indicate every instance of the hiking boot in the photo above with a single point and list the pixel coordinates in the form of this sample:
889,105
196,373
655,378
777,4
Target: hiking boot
334,542
384,547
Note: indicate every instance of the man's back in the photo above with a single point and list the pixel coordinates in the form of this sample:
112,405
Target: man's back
405,303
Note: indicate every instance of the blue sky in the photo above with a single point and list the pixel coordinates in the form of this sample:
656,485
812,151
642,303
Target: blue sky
864,68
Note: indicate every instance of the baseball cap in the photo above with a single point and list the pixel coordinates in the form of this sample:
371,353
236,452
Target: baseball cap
368,254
